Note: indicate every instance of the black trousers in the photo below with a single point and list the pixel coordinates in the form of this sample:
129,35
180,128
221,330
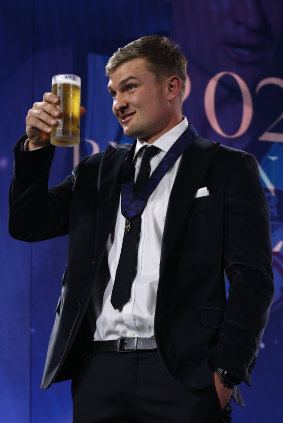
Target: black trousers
135,387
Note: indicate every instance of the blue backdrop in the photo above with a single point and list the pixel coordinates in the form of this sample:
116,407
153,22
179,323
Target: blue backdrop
234,94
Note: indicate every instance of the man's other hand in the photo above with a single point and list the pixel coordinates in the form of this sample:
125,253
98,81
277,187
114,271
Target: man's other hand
224,393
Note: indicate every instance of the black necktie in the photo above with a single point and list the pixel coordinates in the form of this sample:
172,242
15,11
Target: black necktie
127,266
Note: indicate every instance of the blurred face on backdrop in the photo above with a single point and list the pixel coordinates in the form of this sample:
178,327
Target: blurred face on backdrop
243,36
140,100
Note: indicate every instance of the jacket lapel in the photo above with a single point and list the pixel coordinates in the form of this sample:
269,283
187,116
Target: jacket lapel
193,167
109,188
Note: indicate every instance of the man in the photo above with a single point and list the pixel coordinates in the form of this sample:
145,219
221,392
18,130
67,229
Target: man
146,259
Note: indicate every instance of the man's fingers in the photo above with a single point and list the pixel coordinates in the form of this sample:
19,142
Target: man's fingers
39,118
35,123
224,393
51,98
49,108
82,111
43,116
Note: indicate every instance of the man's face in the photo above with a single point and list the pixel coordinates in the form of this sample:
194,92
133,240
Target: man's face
243,36
139,100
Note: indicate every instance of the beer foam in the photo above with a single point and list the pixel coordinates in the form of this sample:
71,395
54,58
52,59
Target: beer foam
60,79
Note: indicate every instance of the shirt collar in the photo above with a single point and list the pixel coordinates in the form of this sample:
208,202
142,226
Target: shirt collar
166,141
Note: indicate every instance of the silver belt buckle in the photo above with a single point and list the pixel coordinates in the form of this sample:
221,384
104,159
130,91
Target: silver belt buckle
122,345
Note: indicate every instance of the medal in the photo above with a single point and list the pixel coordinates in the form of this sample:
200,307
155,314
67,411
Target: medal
127,226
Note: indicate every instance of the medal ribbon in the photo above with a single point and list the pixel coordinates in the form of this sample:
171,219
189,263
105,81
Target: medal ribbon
132,207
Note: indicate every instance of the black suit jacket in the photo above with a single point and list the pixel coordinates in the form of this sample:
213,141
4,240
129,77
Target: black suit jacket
196,327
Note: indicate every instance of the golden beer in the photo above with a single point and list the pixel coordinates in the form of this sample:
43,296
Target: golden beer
68,89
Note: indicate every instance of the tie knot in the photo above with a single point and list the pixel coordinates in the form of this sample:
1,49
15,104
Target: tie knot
149,152
144,172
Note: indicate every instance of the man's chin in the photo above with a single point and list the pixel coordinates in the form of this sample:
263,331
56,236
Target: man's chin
131,133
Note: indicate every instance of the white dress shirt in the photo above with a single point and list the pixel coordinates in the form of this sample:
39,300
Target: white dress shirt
137,316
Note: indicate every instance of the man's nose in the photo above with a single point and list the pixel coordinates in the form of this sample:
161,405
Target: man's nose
120,103
248,14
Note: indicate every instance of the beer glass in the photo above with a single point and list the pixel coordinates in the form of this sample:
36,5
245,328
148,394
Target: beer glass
67,132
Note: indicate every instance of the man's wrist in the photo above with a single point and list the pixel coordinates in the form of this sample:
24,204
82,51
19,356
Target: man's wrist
28,146
227,378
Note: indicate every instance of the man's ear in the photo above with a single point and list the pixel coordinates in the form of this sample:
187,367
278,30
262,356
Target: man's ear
173,87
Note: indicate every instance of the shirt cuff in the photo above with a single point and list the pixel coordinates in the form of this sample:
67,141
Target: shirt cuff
26,143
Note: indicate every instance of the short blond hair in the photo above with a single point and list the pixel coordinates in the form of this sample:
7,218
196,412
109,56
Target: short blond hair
163,57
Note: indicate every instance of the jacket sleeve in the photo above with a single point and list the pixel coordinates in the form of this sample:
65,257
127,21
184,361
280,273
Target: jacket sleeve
37,213
247,255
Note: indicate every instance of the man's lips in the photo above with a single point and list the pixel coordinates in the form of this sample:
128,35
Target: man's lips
127,117
248,50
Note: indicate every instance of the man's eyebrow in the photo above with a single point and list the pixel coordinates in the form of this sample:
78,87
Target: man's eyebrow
124,81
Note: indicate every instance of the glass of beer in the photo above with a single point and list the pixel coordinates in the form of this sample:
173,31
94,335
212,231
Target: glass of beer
67,132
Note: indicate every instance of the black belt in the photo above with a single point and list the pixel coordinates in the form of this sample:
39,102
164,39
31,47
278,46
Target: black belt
125,345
